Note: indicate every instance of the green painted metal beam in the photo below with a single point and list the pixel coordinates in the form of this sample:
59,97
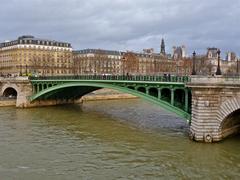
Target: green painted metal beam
112,85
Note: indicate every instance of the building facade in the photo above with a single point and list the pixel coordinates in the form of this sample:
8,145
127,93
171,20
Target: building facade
228,66
28,55
97,62
206,64
100,62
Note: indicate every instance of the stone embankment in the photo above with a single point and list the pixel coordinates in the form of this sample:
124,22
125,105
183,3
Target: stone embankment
106,94
7,102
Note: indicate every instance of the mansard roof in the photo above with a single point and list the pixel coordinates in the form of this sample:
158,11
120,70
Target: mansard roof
98,51
28,39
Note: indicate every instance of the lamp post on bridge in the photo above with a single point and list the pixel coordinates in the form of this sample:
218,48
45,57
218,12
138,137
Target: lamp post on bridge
237,67
218,72
194,64
26,69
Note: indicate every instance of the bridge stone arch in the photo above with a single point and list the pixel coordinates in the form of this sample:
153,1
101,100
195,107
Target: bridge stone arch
135,92
10,90
228,117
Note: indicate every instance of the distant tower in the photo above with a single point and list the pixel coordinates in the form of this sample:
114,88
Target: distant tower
163,52
184,51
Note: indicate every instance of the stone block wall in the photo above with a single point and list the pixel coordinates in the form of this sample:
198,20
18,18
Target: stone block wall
213,103
204,124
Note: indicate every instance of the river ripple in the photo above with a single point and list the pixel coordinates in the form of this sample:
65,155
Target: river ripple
122,139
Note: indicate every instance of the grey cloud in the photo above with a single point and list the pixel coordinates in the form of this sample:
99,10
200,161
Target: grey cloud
125,24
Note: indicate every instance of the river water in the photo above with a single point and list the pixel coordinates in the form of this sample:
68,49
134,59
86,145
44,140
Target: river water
121,139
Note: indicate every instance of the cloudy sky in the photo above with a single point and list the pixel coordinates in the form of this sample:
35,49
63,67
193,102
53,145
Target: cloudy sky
126,24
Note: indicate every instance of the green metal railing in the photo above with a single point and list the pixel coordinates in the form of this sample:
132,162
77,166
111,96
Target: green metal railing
183,79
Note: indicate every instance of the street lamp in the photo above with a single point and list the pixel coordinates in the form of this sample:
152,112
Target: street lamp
26,70
237,67
194,64
218,67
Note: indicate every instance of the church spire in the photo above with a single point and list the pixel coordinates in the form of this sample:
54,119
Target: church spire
163,52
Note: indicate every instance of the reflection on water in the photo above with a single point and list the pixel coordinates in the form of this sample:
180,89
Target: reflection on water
127,139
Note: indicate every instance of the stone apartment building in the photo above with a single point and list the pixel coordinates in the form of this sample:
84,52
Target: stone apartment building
97,62
28,55
228,65
206,64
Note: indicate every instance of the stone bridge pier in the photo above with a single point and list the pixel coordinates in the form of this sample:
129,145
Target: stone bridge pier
22,87
19,87
215,108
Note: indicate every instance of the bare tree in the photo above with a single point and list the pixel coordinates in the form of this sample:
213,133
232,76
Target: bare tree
130,63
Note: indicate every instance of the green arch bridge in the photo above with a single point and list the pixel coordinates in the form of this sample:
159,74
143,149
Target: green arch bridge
169,92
